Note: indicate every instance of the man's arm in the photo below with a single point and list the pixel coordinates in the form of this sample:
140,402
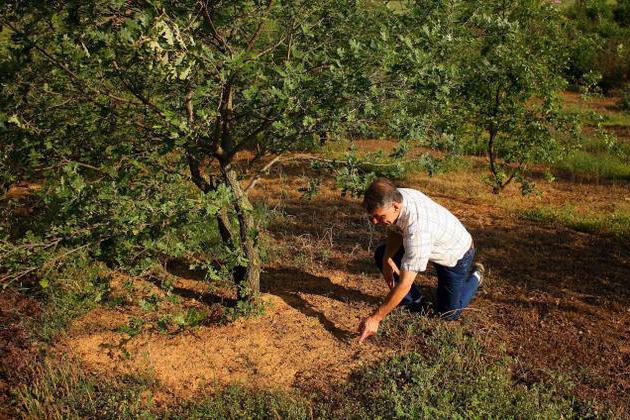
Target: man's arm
392,244
395,296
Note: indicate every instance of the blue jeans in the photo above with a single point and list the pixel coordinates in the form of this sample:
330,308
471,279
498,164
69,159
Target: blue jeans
456,285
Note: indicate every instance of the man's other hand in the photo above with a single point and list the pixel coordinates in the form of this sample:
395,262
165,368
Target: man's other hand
389,268
368,327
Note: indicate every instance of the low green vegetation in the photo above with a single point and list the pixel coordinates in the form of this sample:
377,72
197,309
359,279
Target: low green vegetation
471,384
602,154
65,294
61,391
587,115
616,223
595,166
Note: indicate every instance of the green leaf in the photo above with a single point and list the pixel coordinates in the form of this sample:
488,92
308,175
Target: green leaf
15,120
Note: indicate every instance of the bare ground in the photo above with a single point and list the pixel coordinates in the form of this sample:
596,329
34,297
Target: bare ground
555,299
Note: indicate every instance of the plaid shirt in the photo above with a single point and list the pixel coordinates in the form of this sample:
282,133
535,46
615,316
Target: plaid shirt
430,233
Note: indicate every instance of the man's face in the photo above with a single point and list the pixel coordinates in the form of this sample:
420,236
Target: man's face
385,215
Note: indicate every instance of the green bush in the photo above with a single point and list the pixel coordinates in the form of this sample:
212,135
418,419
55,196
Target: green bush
599,43
624,100
445,375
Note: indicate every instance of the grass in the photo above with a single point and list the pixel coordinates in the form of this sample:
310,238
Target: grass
617,148
439,372
596,166
609,117
601,156
616,223
67,294
62,391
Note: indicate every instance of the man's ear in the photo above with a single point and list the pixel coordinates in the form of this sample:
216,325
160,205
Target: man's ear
396,205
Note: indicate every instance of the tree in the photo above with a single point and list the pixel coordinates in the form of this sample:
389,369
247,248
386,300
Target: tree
485,69
128,93
511,67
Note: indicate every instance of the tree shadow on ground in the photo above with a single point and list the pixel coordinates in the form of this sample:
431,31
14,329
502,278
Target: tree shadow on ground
543,308
180,269
519,253
290,283
556,260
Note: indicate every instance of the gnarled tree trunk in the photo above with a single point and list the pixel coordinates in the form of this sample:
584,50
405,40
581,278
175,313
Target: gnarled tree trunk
249,276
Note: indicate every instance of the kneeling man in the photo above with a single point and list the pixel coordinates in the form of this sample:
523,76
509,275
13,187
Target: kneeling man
420,231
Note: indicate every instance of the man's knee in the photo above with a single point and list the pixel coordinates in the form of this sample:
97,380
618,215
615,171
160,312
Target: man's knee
379,253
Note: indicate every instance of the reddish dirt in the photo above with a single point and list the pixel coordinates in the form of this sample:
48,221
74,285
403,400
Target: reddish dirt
16,349
556,299
305,335
601,104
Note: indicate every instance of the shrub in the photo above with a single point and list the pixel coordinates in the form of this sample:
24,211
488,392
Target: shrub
624,100
600,38
445,375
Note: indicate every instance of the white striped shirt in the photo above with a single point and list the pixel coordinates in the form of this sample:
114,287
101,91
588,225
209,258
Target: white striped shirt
430,233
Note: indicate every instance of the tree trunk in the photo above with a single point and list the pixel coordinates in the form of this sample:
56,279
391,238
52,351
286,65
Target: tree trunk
496,184
249,281
492,132
206,186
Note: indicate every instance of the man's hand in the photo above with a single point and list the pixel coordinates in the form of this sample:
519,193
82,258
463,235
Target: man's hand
368,327
389,268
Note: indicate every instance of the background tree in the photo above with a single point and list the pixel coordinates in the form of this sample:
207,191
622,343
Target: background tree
490,71
511,73
598,52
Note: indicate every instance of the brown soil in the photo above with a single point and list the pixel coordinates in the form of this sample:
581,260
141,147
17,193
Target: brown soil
304,335
16,350
556,299
601,104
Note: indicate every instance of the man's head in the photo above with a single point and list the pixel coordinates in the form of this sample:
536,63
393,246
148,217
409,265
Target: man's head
382,202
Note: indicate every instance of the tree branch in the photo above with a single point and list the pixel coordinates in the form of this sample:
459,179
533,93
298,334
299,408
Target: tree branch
217,36
251,41
260,173
189,107
137,94
62,66
195,173
251,136
85,87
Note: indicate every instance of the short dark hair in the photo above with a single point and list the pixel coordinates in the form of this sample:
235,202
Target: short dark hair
381,193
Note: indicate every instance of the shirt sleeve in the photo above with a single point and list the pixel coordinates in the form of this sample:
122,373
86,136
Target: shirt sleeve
417,250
